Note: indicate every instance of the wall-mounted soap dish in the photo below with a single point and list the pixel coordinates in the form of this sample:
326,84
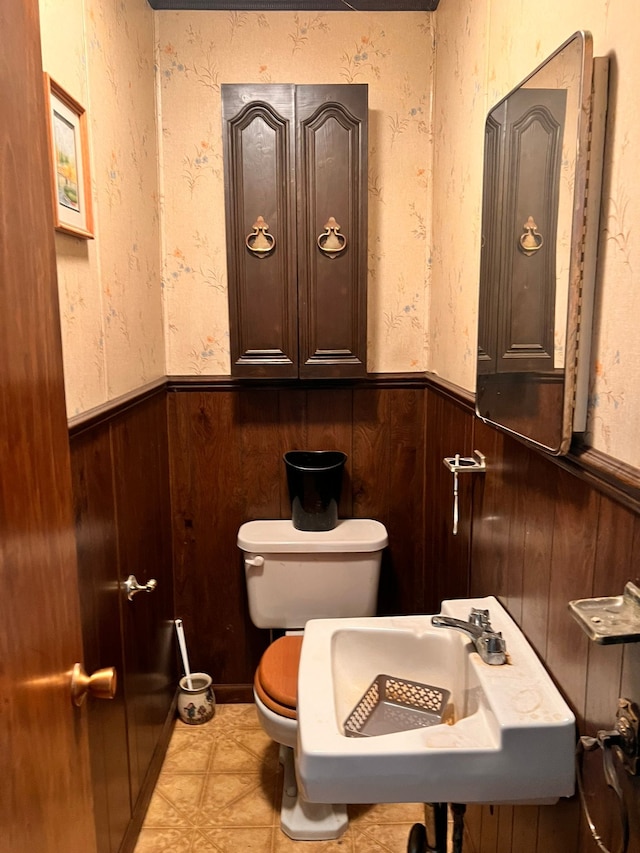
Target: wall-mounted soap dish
614,619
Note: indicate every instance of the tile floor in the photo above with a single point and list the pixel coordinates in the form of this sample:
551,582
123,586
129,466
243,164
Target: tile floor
219,792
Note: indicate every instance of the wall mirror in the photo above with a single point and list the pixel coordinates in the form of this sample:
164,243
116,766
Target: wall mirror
539,235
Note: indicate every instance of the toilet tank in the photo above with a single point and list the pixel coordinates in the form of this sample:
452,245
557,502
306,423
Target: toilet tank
296,575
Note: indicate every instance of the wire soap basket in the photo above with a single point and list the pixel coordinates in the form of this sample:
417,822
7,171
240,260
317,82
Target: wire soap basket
396,705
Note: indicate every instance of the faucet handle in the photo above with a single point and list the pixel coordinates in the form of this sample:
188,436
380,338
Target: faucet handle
480,617
494,648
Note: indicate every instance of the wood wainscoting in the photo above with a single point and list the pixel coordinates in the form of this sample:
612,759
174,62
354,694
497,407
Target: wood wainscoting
226,449
534,530
120,468
543,536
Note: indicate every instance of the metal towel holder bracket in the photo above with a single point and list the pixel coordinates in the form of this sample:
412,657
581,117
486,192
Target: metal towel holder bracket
457,464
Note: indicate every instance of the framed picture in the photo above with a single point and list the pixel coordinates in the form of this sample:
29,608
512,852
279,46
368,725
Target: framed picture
69,147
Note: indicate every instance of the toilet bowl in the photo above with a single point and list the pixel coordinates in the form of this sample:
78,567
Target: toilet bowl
276,679
293,576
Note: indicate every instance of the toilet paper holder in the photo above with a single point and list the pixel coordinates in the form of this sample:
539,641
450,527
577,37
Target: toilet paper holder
466,464
458,464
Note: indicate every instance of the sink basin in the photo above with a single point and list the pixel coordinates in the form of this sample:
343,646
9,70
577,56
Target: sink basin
511,737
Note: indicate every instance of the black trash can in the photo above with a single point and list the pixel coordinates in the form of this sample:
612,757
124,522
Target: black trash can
315,480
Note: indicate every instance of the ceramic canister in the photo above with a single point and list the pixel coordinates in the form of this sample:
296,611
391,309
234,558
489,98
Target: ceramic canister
196,704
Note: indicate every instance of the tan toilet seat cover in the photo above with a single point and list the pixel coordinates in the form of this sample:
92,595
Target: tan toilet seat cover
276,679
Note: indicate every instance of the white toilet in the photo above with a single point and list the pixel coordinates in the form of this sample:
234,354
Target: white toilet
292,576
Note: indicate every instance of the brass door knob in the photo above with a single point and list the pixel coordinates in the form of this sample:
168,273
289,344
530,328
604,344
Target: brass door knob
102,683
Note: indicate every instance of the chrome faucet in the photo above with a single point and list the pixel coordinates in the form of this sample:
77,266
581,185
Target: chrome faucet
489,644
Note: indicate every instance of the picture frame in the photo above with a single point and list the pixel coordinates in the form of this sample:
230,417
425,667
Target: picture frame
69,151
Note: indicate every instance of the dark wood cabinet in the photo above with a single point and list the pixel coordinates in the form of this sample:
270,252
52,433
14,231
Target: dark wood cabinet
296,217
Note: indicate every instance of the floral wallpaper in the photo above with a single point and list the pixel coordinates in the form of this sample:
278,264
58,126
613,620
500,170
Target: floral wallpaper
394,55
110,287
148,295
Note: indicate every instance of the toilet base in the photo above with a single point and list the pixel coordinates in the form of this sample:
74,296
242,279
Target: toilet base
304,821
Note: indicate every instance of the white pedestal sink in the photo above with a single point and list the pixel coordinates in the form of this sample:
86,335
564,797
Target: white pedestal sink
512,737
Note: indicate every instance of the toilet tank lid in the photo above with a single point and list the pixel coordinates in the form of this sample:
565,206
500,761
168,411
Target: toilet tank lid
277,536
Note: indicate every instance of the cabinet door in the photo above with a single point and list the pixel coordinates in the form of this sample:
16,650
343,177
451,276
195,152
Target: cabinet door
522,163
258,141
533,132
332,270
296,215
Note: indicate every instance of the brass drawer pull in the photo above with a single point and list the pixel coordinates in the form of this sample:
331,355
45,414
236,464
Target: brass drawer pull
530,240
331,241
259,242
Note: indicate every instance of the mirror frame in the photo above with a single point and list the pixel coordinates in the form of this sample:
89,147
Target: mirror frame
584,227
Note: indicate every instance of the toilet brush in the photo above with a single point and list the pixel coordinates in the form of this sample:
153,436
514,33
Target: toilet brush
183,652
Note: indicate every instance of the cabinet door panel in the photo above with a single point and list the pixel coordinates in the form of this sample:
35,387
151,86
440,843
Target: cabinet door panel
297,157
258,139
332,182
534,129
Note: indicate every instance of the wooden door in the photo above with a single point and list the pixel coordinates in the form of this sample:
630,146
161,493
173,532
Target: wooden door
45,796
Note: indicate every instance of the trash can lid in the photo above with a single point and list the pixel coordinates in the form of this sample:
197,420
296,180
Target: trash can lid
350,535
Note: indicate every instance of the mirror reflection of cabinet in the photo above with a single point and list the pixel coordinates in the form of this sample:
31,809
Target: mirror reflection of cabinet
543,144
523,139
296,218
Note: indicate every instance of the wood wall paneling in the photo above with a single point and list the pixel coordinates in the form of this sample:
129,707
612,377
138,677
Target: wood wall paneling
538,542
121,500
371,476
292,434
531,531
227,468
541,537
100,601
405,592
210,479
141,489
572,572
263,489
449,430
613,568
492,512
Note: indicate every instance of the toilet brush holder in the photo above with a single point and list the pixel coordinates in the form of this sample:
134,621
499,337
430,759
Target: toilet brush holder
196,700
